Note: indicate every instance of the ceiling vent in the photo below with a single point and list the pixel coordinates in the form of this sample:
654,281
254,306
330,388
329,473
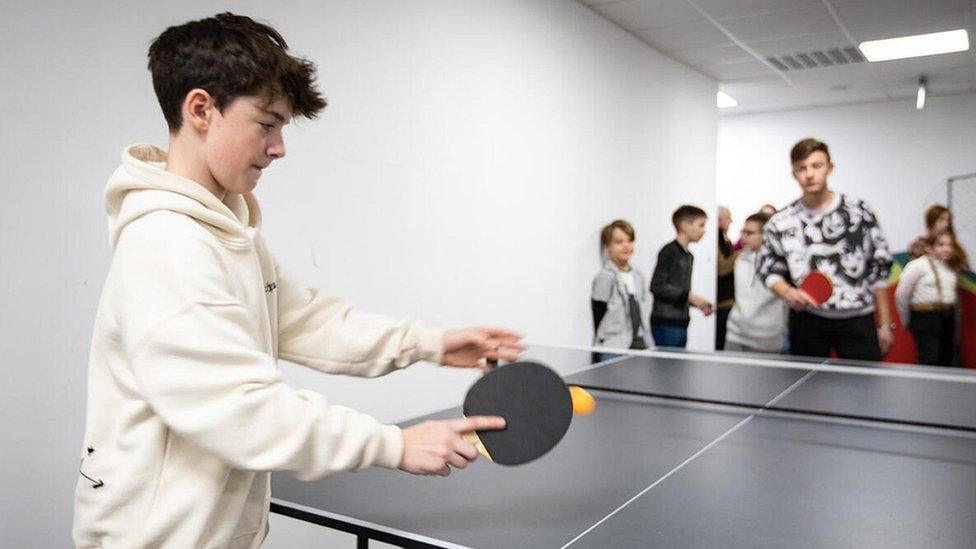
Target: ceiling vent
816,59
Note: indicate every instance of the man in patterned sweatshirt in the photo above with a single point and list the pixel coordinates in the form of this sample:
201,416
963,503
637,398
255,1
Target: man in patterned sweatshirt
839,236
187,411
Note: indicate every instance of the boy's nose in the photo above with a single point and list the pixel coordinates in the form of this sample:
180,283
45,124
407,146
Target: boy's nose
277,150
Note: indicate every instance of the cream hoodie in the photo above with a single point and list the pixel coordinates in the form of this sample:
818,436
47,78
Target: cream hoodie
187,412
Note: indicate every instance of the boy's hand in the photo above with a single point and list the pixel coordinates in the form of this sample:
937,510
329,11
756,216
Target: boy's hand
886,338
431,447
797,299
701,304
465,348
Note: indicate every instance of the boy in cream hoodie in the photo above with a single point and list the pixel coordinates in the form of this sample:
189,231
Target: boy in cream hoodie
187,412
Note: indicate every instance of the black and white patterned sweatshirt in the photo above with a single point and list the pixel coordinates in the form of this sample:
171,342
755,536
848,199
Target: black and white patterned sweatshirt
842,240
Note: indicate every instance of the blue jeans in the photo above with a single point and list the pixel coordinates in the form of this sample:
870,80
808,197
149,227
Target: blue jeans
669,335
603,357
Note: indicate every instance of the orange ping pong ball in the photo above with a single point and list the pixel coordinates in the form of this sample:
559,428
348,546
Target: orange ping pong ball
583,402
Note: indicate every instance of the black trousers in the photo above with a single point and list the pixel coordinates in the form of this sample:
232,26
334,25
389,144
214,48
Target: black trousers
721,321
855,338
935,335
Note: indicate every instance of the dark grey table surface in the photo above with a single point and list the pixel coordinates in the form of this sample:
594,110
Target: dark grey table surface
647,471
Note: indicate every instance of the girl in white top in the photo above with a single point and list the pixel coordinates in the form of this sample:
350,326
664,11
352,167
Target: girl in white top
926,298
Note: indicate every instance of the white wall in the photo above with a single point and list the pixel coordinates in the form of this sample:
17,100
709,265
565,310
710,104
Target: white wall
470,154
890,154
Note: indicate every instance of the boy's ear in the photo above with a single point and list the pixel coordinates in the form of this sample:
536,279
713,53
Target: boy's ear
198,107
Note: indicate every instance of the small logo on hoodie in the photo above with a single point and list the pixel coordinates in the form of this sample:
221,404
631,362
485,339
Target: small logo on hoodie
270,287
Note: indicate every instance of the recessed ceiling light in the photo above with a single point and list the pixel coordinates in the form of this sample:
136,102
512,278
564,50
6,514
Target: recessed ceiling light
724,100
916,46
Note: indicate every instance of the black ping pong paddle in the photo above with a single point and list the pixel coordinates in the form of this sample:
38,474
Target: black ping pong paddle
535,403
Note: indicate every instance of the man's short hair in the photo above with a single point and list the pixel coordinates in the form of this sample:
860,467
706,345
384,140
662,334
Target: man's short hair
806,147
686,212
229,56
758,217
606,235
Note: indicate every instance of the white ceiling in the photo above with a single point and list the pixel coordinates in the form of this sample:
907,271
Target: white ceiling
730,40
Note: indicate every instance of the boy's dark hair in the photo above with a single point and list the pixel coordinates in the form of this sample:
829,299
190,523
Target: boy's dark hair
229,56
606,235
806,147
758,217
686,212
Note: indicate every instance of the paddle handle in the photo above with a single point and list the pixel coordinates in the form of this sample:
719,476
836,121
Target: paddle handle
471,438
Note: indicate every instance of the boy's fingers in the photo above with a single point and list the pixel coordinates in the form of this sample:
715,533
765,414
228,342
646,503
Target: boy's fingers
477,423
501,333
504,354
458,461
468,451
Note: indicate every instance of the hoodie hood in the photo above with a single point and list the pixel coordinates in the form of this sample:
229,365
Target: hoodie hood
141,185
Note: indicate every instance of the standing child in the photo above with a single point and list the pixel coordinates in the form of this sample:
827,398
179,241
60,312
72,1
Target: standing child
188,413
758,317
671,282
841,237
619,301
725,281
926,298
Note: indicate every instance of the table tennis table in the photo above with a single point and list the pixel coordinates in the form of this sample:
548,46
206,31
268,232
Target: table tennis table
697,450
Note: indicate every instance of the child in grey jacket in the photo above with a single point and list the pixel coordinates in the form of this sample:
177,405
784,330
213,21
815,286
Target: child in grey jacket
619,300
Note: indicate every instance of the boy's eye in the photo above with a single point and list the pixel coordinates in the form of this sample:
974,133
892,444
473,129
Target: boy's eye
267,127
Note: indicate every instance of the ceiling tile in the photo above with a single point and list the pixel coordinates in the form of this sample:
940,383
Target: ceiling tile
681,36
925,65
780,27
801,44
909,25
727,53
781,24
875,13
734,71
725,8
648,14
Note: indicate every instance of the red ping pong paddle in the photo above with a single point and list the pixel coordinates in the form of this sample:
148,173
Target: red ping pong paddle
535,403
818,287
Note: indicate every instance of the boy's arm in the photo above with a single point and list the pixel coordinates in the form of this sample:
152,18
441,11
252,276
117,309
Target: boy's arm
906,287
599,297
878,270
204,373
774,271
771,266
663,288
599,310
879,267
200,360
326,333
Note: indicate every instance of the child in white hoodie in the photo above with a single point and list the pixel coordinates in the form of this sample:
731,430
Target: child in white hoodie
187,412
758,317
